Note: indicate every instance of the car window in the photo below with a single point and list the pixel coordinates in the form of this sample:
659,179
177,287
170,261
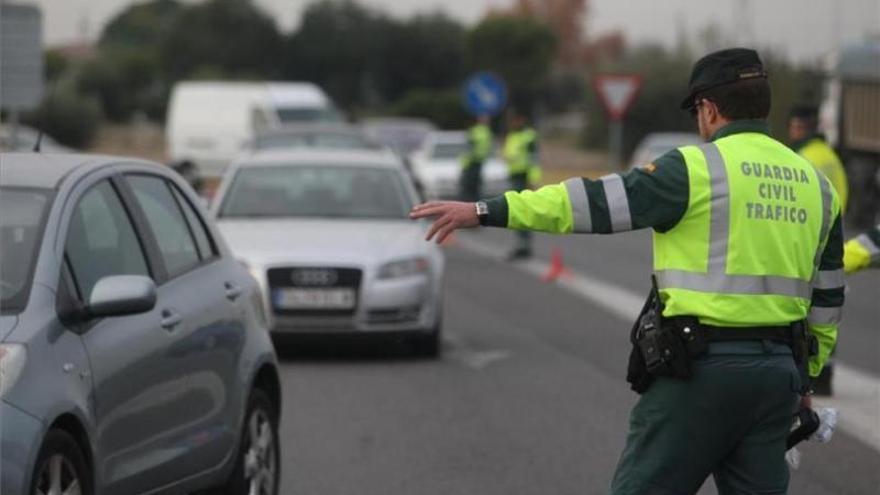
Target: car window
329,191
21,228
448,151
176,243
101,240
203,239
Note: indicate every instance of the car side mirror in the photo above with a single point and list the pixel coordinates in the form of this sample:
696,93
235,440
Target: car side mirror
119,295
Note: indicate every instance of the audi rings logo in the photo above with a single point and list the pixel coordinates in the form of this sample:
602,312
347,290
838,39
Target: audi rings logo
314,276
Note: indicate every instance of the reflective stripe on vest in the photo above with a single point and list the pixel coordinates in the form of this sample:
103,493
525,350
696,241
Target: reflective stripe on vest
829,279
618,204
582,219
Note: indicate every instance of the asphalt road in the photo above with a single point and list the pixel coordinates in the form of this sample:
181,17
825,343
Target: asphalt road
528,398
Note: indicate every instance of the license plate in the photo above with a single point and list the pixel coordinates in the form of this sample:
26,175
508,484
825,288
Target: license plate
314,298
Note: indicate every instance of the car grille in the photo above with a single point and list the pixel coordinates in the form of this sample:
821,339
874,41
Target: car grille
314,278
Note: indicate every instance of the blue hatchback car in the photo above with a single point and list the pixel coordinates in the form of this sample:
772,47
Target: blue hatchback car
134,351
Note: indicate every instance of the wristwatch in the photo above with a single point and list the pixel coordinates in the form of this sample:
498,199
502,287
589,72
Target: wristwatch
482,211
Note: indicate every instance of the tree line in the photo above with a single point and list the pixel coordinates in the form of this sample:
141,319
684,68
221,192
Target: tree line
365,59
370,63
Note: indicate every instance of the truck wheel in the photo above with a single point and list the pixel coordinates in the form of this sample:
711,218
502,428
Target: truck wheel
61,467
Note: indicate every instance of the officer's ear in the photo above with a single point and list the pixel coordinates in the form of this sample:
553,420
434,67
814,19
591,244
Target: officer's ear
713,115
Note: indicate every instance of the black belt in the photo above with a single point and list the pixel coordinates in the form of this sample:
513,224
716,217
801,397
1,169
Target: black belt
783,334
730,334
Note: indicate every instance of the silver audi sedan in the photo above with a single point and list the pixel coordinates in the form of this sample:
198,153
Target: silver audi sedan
327,236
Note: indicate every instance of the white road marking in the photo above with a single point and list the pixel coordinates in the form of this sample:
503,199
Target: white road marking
458,350
856,393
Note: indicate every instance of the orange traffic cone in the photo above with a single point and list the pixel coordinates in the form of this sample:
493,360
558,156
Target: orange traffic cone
557,267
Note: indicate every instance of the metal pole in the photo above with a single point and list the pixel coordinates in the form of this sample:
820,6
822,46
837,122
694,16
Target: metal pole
615,143
13,130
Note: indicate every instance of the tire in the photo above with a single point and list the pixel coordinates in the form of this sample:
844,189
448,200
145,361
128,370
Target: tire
428,345
257,467
61,452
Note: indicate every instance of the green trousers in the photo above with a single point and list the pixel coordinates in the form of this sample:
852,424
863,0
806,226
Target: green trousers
730,420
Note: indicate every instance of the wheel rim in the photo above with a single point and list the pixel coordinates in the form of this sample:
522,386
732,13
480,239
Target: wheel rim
57,476
260,462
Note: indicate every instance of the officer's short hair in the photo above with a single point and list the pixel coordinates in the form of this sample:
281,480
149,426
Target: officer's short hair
741,100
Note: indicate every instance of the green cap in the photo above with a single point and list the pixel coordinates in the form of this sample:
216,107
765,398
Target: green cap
723,67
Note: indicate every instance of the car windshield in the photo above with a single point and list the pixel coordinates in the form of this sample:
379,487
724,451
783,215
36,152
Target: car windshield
21,228
336,191
448,151
403,139
321,140
293,115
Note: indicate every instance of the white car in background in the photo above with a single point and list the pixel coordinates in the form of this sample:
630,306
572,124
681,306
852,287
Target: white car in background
210,121
657,144
436,167
327,235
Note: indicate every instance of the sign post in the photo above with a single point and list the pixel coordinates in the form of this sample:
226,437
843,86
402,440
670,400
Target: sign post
617,93
21,61
484,93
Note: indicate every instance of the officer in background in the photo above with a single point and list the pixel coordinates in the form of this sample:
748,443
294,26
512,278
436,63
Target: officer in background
805,139
803,133
863,251
748,245
479,140
521,155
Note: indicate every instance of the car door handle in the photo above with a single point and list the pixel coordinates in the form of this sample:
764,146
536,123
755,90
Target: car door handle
232,291
170,319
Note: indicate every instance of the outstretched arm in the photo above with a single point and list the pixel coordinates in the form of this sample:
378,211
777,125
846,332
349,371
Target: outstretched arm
653,196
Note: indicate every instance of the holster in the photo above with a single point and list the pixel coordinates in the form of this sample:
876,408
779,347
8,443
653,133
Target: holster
662,346
804,345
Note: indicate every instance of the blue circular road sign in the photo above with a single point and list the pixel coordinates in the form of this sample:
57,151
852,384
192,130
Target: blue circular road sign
484,94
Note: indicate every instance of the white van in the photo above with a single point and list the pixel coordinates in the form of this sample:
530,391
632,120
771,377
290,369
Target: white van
209,122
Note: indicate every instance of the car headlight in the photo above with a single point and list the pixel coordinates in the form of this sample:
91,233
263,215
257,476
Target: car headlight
12,359
255,272
404,268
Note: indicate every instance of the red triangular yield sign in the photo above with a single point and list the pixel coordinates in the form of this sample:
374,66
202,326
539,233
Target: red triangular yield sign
617,92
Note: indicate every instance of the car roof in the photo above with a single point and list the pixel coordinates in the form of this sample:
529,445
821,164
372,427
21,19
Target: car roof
437,137
307,156
398,122
48,170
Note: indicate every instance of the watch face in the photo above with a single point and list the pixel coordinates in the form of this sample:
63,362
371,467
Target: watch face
482,208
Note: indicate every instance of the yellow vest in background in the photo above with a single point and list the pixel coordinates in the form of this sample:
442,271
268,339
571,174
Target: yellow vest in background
823,157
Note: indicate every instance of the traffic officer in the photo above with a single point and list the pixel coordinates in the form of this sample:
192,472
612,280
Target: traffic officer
863,251
803,133
479,149
521,155
807,141
747,245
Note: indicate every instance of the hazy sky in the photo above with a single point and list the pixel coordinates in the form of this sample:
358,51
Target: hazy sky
802,29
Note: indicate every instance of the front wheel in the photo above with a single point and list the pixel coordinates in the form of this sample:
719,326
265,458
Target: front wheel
428,344
257,467
61,468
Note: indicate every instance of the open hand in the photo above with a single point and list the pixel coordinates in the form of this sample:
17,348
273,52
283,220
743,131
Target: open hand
450,215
